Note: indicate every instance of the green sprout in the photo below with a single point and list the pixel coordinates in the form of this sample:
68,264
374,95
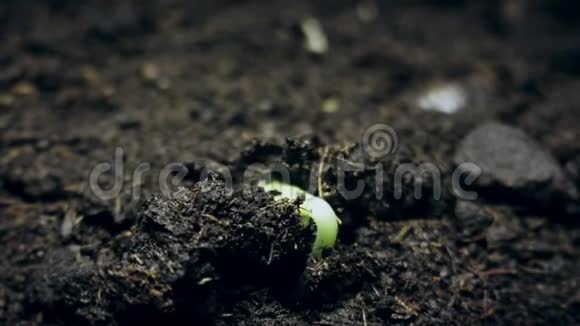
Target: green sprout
312,208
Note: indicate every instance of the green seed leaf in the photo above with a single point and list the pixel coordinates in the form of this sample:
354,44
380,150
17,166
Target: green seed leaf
312,209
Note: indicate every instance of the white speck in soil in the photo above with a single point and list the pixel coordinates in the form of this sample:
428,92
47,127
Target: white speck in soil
448,98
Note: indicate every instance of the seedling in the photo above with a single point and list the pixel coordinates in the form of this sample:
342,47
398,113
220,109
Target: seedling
312,209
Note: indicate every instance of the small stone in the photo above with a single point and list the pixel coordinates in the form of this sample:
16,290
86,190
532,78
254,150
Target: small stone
367,11
108,90
315,38
444,272
68,223
163,83
513,164
24,88
448,98
150,71
330,105
90,74
6,100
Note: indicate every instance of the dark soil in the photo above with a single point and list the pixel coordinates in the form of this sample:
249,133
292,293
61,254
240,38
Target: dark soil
218,85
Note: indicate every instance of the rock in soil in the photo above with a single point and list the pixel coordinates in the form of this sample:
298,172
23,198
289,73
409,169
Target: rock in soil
514,165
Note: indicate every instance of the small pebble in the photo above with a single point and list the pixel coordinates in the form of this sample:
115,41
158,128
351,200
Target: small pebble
90,74
6,100
68,223
330,105
315,38
367,11
150,71
449,98
24,88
